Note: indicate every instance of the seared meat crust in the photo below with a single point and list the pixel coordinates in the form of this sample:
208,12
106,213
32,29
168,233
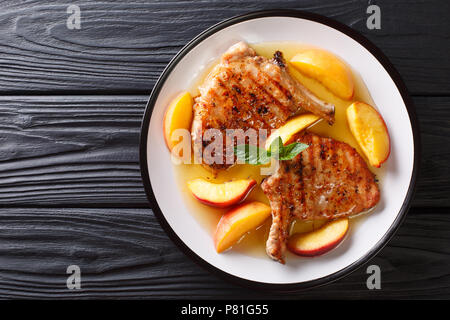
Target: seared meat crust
328,180
246,91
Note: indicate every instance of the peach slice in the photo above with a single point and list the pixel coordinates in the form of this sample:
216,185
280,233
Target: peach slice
237,222
369,129
178,116
327,69
319,241
294,125
221,195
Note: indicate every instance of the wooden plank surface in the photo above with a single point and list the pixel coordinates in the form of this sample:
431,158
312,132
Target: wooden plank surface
70,110
124,46
123,253
70,150
83,151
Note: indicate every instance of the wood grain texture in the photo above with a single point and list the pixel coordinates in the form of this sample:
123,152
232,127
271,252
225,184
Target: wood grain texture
123,253
434,175
123,46
70,186
78,150
83,151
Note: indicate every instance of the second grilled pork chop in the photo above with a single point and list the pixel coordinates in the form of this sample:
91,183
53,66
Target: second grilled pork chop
247,91
328,180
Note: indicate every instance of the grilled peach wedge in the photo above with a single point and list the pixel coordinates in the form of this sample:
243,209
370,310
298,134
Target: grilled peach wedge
326,68
237,222
178,116
221,195
369,129
319,241
294,125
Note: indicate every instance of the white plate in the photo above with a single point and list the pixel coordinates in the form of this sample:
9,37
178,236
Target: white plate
389,95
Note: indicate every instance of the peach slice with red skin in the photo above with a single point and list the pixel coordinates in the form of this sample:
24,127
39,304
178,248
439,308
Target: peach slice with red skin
319,241
238,221
221,195
328,69
370,131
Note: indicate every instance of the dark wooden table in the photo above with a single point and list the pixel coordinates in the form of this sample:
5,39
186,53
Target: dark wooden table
71,103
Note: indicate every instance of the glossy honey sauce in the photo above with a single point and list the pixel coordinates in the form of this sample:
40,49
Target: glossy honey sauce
253,243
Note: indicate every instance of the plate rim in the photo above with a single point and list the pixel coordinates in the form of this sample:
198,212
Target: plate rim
401,87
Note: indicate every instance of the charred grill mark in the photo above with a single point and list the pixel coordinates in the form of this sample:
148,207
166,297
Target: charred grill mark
291,188
276,84
248,91
300,169
267,94
214,94
289,95
279,59
313,163
246,102
252,100
234,99
262,109
301,180
322,151
310,187
286,218
282,89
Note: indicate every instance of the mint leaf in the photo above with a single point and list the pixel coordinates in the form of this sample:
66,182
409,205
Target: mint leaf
291,150
251,154
276,147
264,156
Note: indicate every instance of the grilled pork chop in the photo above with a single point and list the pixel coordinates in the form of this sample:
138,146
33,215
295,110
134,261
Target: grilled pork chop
328,180
247,91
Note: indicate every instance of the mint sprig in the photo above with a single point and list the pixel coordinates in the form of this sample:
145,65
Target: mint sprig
254,155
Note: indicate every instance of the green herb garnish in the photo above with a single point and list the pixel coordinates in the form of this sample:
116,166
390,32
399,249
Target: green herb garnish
251,154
